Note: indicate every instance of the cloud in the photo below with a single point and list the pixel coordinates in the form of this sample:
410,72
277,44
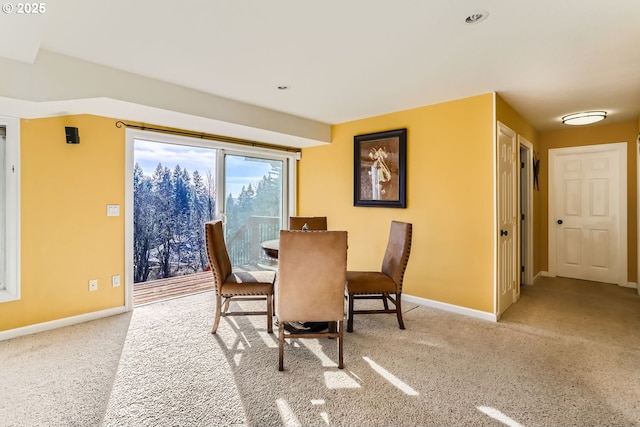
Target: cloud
148,154
241,170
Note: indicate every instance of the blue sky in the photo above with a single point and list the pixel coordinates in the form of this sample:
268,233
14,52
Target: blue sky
240,170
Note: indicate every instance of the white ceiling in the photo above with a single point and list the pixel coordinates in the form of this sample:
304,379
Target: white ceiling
349,59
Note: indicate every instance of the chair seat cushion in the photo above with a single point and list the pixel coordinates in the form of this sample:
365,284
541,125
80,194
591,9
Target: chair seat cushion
369,282
249,283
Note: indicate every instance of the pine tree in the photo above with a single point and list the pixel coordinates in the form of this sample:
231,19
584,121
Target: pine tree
142,224
163,201
182,204
199,216
268,193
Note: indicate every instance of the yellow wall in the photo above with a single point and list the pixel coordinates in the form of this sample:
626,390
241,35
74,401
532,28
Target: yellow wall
510,117
590,135
66,237
450,187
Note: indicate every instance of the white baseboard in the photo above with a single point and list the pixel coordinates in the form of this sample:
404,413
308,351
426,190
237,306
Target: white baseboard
59,323
537,276
483,315
632,285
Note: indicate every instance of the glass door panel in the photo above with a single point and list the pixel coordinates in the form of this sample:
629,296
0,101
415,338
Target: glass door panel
253,207
173,196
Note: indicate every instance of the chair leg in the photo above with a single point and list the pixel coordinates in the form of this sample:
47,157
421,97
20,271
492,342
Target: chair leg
385,297
281,346
350,315
399,310
340,324
269,314
332,327
218,308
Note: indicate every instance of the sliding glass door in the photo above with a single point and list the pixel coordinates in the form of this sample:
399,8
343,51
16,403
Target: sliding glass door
177,183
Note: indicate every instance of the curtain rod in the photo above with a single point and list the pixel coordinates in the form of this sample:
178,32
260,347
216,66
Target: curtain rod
208,136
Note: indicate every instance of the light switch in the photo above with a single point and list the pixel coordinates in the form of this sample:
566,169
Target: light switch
113,210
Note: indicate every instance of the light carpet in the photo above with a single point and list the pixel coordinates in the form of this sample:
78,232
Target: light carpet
445,369
559,357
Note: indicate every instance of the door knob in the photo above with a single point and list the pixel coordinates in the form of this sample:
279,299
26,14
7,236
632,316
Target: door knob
504,233
560,221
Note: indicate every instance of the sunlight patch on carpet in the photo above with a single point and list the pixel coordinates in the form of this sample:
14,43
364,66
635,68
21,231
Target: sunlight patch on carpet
401,385
268,339
289,419
335,380
498,415
314,347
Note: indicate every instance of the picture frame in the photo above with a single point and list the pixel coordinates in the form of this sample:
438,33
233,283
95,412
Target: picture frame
380,169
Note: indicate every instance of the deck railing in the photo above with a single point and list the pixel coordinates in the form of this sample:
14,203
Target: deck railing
245,252
244,245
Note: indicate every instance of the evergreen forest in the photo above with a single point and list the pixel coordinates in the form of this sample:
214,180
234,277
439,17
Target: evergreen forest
171,207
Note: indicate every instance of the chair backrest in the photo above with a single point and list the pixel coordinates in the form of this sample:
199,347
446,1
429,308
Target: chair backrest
217,253
313,222
312,272
396,256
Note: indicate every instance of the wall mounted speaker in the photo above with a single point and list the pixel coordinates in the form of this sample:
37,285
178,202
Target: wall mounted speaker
72,135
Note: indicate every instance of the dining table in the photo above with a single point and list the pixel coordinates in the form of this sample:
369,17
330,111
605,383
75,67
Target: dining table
271,248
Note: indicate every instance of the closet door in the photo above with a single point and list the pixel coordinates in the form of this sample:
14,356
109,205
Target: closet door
508,288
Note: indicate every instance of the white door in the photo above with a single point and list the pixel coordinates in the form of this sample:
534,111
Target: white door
587,188
508,289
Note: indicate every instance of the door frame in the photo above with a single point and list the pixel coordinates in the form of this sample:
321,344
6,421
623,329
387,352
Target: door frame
11,210
617,147
525,204
638,208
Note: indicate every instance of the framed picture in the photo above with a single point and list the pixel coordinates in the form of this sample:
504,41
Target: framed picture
380,169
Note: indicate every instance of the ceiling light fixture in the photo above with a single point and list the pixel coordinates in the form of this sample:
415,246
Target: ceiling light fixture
584,118
477,17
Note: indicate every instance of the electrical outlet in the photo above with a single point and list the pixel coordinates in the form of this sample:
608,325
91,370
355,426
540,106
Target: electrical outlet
93,285
113,210
115,281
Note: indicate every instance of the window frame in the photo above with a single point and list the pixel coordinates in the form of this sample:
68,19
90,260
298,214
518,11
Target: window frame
288,185
11,232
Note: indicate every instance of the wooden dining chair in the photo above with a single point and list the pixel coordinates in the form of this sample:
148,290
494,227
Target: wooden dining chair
313,222
310,288
239,285
385,284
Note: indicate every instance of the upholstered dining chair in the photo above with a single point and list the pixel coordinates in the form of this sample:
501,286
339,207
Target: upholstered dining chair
313,222
239,285
310,287
385,284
